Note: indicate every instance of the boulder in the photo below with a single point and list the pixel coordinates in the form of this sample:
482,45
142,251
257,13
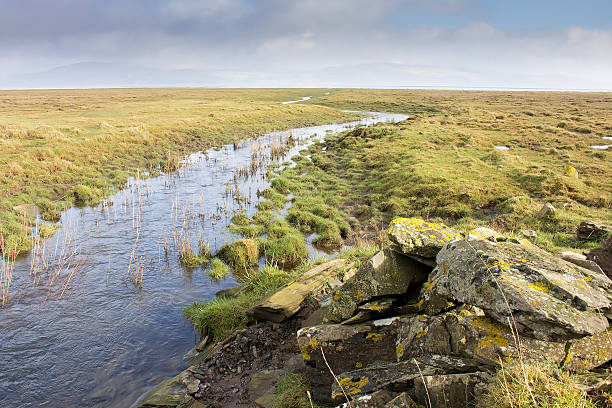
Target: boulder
403,375
544,296
284,303
547,210
386,273
416,237
580,260
603,256
262,387
451,390
168,394
591,231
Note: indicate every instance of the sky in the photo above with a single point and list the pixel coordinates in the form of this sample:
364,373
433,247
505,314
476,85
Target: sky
558,44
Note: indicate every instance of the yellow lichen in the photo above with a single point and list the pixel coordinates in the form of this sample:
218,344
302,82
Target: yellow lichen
540,286
375,337
313,343
304,351
420,333
399,351
358,365
351,387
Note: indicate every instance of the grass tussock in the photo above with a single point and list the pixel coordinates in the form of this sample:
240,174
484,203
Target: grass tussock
535,386
218,269
221,316
241,255
291,392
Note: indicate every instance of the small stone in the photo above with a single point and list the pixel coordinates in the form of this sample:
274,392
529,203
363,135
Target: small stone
547,210
571,171
529,233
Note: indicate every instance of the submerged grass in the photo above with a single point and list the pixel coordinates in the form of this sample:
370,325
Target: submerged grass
60,148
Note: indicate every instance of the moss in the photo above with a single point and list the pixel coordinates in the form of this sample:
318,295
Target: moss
241,219
263,217
247,231
240,255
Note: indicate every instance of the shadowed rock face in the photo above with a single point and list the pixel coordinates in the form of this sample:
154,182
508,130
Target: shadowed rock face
386,273
546,297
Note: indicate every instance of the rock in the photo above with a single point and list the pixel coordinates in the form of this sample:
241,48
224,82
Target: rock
591,231
403,375
529,233
349,347
571,171
230,292
580,260
548,298
202,344
27,209
288,300
414,236
466,332
547,210
386,273
262,387
168,394
451,390
484,233
603,256
378,399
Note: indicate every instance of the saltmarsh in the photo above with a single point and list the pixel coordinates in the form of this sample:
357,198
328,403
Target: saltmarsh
60,148
443,163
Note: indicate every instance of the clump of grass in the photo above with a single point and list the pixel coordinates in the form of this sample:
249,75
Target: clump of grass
247,231
287,251
535,386
221,316
86,195
291,392
189,259
263,217
241,255
218,269
47,230
241,219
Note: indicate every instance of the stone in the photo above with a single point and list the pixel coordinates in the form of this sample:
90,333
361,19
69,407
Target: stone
529,233
580,260
287,301
168,394
263,386
414,236
347,347
571,171
592,231
603,256
484,233
547,210
401,375
386,273
202,344
451,390
546,297
230,292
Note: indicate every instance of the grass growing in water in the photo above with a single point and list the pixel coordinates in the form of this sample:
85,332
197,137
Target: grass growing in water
221,316
218,269
241,255
60,148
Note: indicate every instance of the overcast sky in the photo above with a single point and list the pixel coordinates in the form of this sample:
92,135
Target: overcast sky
463,43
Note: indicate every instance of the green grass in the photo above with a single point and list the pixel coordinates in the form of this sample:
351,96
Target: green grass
441,164
241,255
535,386
221,316
60,148
218,269
291,392
287,251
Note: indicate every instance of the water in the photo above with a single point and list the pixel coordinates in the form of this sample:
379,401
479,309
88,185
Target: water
304,98
94,337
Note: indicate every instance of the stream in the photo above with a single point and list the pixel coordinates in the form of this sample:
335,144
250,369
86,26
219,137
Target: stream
95,315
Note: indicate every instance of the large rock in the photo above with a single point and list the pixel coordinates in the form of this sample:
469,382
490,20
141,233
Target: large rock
416,237
580,260
542,295
603,256
288,300
466,332
386,273
403,375
592,231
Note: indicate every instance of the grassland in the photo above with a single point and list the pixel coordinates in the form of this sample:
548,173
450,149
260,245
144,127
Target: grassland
60,148
442,163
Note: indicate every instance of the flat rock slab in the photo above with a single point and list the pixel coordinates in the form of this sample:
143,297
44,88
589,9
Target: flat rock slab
544,296
283,304
416,237
386,273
